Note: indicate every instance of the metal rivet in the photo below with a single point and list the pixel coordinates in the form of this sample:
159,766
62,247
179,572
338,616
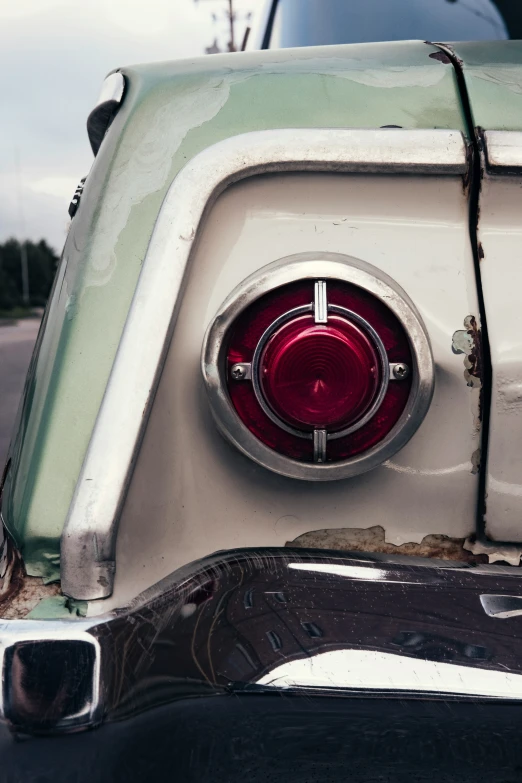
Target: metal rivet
241,372
400,371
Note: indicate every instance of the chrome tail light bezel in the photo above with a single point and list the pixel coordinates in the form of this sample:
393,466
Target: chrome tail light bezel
323,266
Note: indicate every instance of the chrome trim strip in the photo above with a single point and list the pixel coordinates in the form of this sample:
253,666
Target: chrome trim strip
89,536
112,89
320,302
102,115
320,441
503,151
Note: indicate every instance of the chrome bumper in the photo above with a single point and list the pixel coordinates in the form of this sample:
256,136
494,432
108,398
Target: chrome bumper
271,621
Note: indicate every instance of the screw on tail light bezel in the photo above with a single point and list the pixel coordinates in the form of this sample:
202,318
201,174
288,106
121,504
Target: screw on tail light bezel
318,266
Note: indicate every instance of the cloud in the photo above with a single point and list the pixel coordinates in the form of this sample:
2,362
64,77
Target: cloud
54,55
59,187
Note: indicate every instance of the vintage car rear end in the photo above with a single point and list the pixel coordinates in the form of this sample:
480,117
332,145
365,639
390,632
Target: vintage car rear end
245,521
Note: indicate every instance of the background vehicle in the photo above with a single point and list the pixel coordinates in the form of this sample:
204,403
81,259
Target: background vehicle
315,23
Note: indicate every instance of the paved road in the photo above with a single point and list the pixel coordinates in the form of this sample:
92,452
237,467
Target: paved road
16,347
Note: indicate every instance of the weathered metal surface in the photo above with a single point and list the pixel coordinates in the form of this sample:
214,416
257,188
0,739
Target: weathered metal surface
493,76
373,539
19,593
468,341
170,113
31,590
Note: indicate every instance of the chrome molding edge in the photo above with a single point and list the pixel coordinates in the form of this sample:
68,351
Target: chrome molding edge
89,536
503,151
326,266
102,115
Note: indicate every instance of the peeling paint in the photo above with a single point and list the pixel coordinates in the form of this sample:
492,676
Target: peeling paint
442,57
468,341
475,461
372,539
30,591
58,607
495,551
450,52
19,593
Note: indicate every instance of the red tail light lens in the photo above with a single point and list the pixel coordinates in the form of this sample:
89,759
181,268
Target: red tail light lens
302,372
320,376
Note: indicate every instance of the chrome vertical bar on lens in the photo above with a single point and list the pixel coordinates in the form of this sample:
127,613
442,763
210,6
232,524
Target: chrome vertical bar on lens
320,302
320,445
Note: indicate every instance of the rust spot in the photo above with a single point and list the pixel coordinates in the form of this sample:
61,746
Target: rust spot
480,251
448,51
466,177
19,593
12,569
468,341
372,539
442,57
475,357
475,461
30,592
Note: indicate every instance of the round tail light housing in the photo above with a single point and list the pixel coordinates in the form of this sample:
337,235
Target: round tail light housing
318,367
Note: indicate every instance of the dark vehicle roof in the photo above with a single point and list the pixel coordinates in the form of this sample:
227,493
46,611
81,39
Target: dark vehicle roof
318,22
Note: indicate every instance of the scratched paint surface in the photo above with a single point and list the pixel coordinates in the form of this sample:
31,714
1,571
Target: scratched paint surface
493,74
170,113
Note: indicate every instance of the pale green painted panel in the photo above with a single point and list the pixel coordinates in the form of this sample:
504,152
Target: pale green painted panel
493,74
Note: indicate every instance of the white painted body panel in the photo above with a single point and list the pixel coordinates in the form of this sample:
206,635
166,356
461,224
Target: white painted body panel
500,233
192,493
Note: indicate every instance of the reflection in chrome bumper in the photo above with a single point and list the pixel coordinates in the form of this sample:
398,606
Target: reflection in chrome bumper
271,619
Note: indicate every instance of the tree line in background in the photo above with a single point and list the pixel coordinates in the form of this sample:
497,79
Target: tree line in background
41,263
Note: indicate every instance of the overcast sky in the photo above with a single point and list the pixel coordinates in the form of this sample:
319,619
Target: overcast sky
54,55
